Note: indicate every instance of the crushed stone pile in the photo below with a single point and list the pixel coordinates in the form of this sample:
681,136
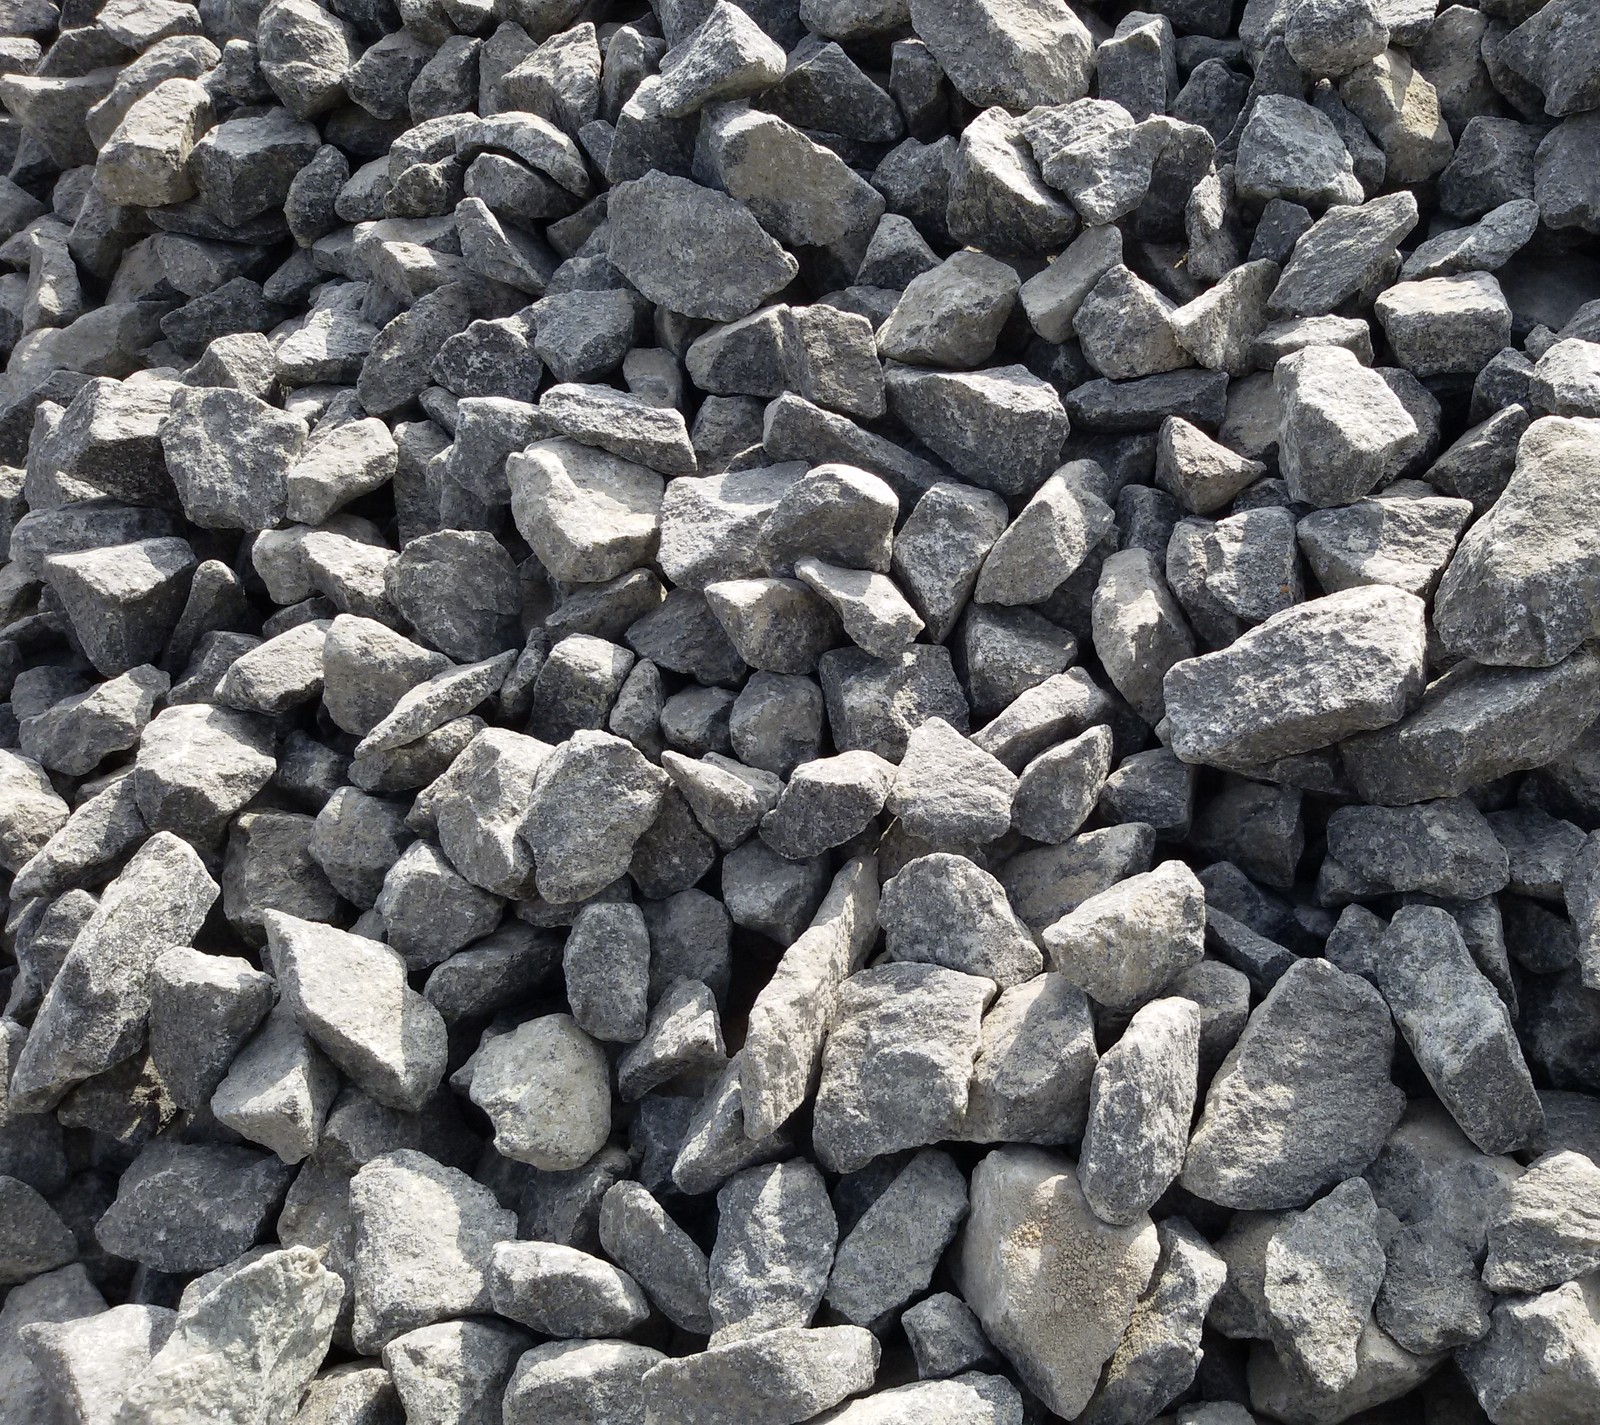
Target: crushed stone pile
869,711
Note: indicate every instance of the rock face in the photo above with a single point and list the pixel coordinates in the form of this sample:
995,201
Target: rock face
1053,1285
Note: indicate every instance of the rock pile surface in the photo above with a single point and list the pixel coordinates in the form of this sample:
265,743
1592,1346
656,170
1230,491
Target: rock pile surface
856,711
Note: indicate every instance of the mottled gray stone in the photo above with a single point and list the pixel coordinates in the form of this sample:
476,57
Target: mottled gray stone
1526,558
93,1014
1141,1100
779,1375
388,1039
1156,1360
892,1251
943,910
1253,702
898,1061
1322,1269
424,1235
1123,945
1303,1099
577,853
191,1207
1001,428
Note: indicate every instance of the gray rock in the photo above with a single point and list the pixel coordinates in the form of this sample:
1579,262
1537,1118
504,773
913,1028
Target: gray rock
874,704
546,1088
950,791
1139,628
1057,1328
278,1091
35,1239
454,1372
1483,246
589,515
1030,1080
801,192
1252,703
1344,252
776,1233
1291,151
1441,848
93,1013
1051,298
601,1380
653,220
1007,53
1156,1360
424,1236
202,1010
1342,429
769,893
1498,559
638,1234
436,702
1048,540
1545,1231
892,1251
576,853
1507,1370
1125,944
1124,328
1391,539
1059,788
355,839
837,512
1141,1100
682,1040
560,1291
1473,725
77,733
242,1348
1445,325
428,910
777,1376
122,602
389,1040
1322,1270
793,1012
874,613
1400,109
88,1363
945,1336
898,1061
826,803
191,1207
607,970
459,591
1001,428
951,316
943,910
1328,1037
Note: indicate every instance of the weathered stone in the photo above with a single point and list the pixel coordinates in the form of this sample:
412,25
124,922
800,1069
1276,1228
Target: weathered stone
1053,1285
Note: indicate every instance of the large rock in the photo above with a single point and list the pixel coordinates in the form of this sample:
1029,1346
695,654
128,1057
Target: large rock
93,1015
1307,677
1053,1285
1520,591
245,1350
692,249
1304,1098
